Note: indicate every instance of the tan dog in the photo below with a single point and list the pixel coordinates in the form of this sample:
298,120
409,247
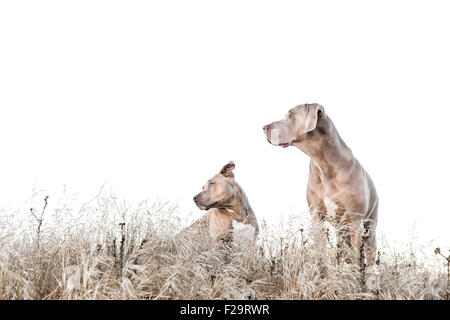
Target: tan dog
225,201
337,182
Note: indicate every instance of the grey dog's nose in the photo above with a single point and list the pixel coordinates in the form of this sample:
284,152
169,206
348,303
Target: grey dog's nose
265,128
195,199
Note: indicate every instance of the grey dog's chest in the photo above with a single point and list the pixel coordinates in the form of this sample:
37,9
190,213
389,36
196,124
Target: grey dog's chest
330,193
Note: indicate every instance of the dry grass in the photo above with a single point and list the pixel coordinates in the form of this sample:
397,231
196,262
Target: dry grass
107,250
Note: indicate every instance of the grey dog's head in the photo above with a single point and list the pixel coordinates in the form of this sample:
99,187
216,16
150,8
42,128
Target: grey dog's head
295,126
218,192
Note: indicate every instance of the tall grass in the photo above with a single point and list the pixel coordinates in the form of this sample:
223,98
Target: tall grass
108,250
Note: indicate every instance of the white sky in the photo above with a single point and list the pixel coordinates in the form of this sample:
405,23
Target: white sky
154,98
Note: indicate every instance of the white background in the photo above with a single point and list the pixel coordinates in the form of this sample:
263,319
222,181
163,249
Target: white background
154,97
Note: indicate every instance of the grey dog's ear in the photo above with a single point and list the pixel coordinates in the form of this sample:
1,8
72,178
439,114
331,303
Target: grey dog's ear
227,169
314,112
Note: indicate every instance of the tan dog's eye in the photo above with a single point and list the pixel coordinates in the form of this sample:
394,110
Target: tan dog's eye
211,184
290,115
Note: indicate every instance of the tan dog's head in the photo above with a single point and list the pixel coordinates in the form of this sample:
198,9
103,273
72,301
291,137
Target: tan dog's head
295,126
218,192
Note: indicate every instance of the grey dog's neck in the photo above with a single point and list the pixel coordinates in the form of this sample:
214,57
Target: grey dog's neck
325,147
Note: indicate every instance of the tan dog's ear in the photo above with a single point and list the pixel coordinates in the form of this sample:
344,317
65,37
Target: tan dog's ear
314,112
227,169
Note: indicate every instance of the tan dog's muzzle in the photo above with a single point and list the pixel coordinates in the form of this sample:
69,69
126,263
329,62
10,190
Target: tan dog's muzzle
201,201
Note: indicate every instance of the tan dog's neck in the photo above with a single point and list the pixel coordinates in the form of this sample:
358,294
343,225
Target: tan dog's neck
325,147
239,206
235,214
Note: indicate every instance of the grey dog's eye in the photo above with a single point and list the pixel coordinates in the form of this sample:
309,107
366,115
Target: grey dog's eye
290,115
211,184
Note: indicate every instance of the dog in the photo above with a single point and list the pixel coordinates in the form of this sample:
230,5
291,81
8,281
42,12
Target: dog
338,186
227,207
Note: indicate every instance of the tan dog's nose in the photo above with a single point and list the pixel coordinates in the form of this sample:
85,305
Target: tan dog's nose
266,127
